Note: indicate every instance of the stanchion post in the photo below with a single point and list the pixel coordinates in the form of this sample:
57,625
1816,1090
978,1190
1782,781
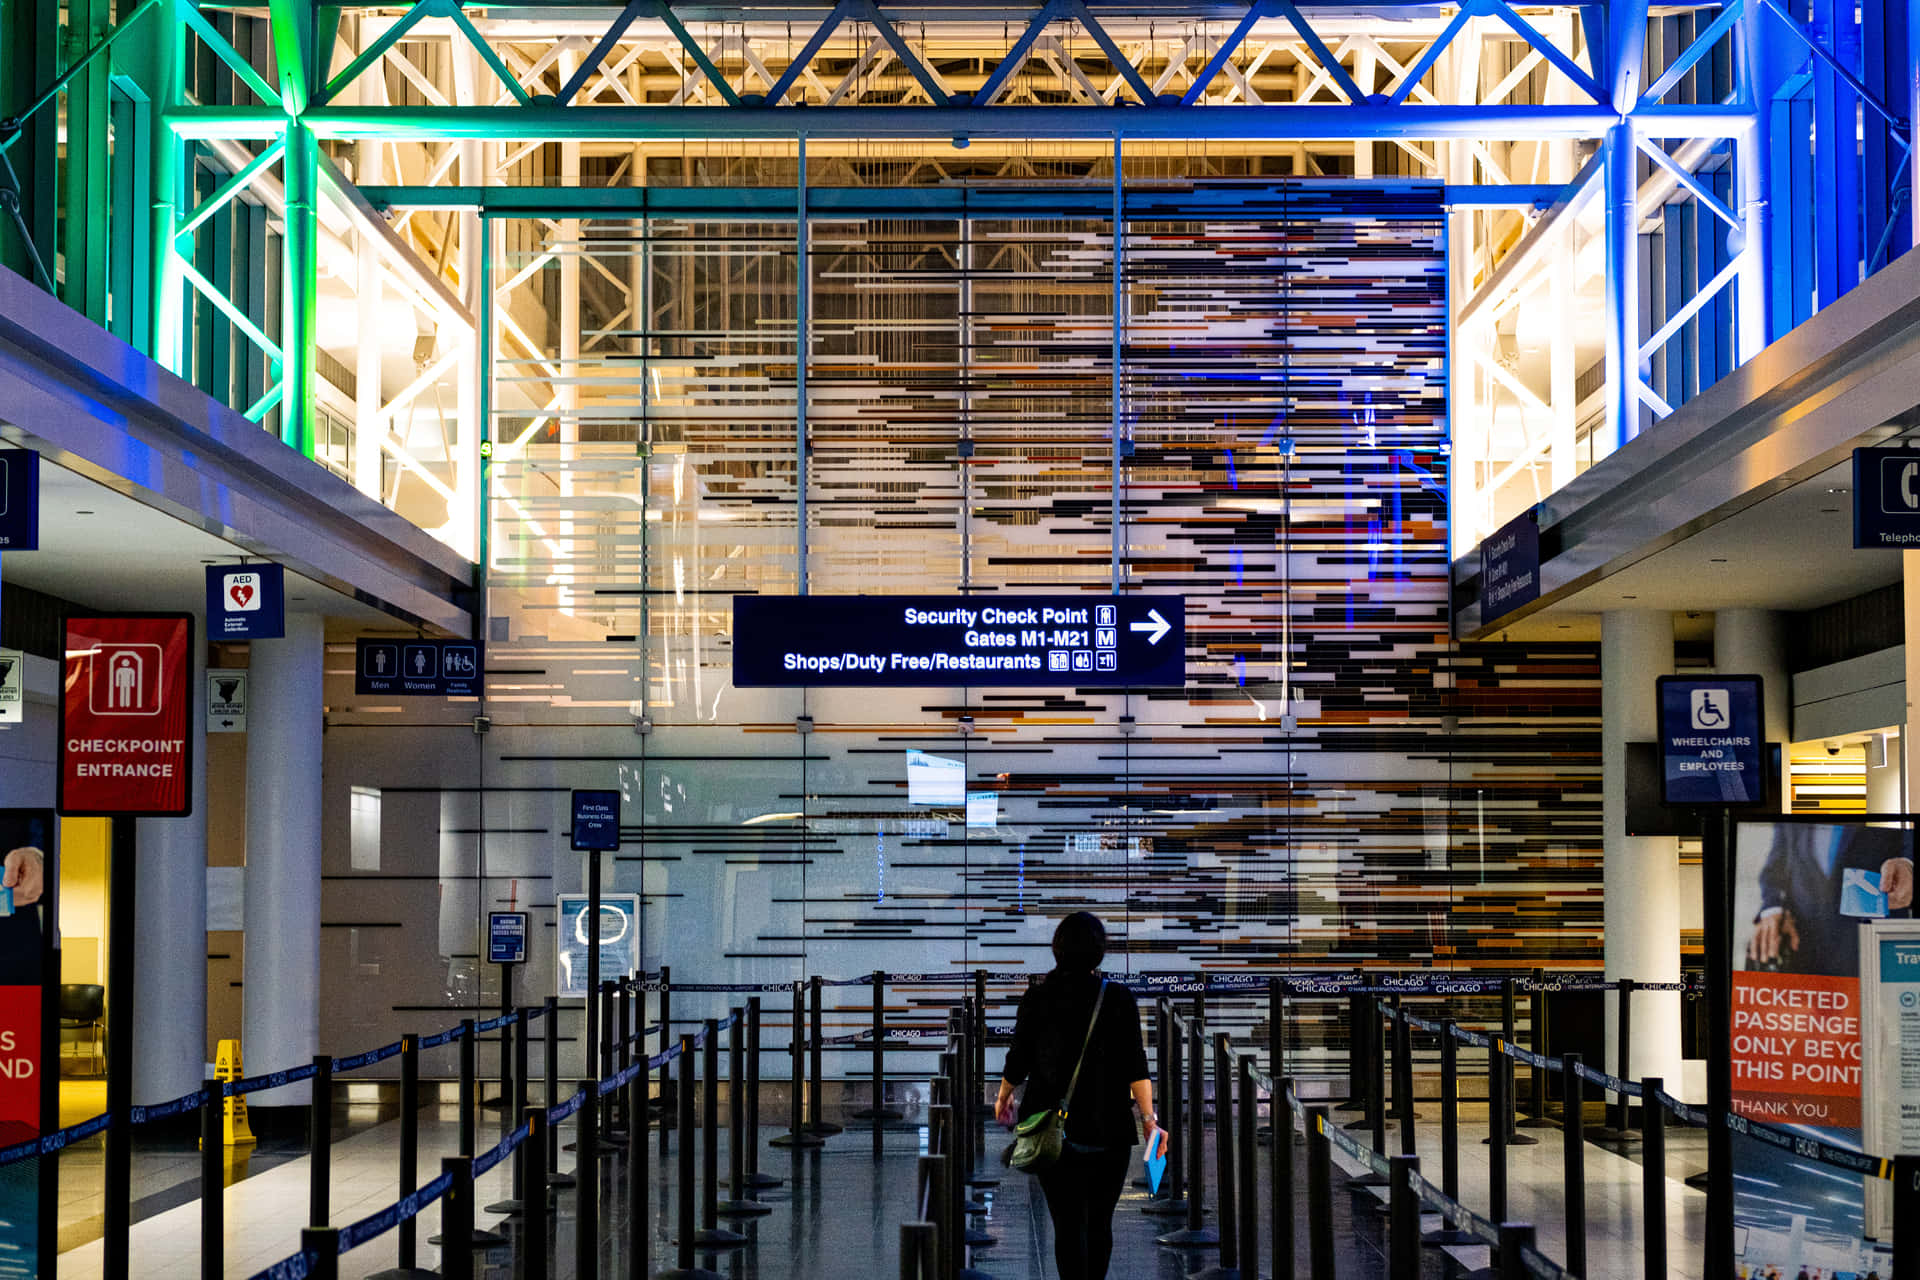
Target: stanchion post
518,1106
639,1176
755,1178
1223,1166
1623,1055
586,1208
551,1096
816,1108
683,1180
625,1055
1403,1076
712,1234
323,1245
530,1174
877,1111
740,1202
917,1245
1356,1099
1249,1220
1496,1131
456,1219
797,1135
1574,1180
467,1100
1276,1030
975,1106
1196,1115
1403,1218
1449,1111
213,1191
1509,1011
666,1069
608,1031
1906,1211
1280,1180
320,1143
1515,1237
408,1244
1653,1186
1319,1195
1377,1078
1537,1041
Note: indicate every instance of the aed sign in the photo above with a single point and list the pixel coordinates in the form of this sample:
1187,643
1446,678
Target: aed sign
1886,497
19,500
596,821
913,641
246,602
1712,744
126,705
506,937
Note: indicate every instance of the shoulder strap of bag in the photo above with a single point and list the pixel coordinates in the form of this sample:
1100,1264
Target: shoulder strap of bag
1071,1084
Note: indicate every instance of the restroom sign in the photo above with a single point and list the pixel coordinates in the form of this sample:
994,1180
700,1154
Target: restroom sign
125,714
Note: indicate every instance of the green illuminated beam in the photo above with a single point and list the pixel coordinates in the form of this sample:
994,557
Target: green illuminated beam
296,54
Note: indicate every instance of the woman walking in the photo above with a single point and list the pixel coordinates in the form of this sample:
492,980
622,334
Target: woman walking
1074,1019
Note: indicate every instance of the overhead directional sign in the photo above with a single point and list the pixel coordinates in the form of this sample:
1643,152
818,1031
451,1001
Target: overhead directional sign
1008,640
1886,497
596,821
1510,568
1712,743
417,668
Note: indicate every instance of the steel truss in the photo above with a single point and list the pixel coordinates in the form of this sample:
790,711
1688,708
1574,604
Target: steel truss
1579,146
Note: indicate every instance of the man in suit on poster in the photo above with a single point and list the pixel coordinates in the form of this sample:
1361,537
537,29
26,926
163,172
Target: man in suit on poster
1819,881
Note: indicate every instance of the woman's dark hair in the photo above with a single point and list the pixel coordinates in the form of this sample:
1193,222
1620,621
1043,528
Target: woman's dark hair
1080,942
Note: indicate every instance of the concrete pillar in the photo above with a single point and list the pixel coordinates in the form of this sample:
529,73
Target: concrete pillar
1753,642
281,991
1642,873
170,929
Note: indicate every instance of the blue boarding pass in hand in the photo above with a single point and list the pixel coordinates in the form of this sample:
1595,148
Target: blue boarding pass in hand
1156,1159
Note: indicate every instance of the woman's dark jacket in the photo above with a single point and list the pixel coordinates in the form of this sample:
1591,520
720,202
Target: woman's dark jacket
1046,1040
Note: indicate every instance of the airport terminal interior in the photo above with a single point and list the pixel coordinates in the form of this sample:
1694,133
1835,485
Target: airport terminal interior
590,589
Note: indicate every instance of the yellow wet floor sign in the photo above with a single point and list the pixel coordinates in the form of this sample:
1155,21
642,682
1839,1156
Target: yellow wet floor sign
226,1066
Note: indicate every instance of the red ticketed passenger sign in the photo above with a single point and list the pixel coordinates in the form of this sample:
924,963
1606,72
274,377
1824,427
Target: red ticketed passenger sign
125,713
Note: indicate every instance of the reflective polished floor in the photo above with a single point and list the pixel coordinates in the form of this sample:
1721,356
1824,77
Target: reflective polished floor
838,1213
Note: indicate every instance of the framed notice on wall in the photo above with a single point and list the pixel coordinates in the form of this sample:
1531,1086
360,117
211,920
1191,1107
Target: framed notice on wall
125,711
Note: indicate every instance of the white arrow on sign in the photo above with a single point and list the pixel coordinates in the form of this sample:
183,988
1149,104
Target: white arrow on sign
1159,626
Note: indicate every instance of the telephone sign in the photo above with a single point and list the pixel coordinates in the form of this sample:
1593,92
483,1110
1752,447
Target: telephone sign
1886,497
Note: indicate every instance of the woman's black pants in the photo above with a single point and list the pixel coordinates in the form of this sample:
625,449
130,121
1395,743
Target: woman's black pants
1082,1189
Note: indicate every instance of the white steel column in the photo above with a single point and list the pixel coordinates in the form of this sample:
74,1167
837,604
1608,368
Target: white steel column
281,995
1641,874
370,429
170,929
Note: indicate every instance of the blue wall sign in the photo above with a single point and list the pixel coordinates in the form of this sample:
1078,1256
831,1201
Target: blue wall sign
19,500
417,668
1712,740
506,937
246,602
1886,498
909,641
596,821
619,938
1510,568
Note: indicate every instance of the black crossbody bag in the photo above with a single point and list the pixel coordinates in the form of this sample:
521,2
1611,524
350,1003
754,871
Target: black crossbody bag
1038,1140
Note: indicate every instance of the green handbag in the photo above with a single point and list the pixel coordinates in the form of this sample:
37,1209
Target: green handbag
1037,1140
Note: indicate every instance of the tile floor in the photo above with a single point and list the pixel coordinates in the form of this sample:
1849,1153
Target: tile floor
838,1213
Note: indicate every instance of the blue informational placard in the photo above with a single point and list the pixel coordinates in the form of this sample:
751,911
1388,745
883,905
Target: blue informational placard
619,937
1510,568
897,642
417,668
1886,497
19,500
596,821
1712,740
506,937
246,602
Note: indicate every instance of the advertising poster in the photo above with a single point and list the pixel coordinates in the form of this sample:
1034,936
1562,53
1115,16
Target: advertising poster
1801,892
27,846
1890,1036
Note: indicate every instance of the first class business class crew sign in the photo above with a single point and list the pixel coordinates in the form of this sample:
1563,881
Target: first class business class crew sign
125,708
909,641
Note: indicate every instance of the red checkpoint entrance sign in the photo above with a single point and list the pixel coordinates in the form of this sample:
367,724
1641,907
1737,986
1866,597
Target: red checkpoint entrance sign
125,714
